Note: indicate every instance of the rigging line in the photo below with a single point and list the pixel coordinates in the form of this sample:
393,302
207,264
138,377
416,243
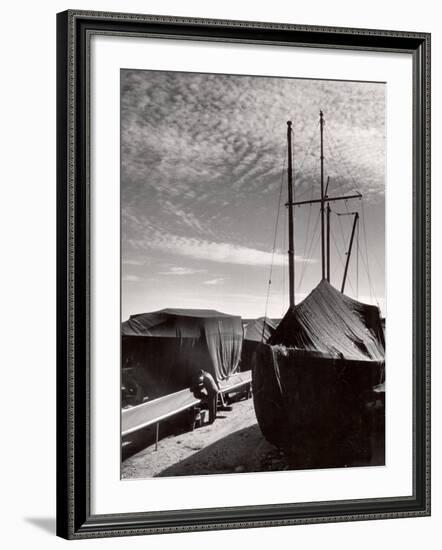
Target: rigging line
357,256
333,160
284,243
364,231
309,147
298,170
304,252
274,243
341,258
342,229
365,261
372,253
357,261
335,266
307,232
372,296
313,246
309,172
309,251
342,161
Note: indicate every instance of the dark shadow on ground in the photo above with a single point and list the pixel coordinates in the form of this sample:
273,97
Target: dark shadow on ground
45,524
354,450
139,440
245,450
176,425
248,451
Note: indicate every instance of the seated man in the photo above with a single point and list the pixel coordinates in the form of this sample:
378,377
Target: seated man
205,388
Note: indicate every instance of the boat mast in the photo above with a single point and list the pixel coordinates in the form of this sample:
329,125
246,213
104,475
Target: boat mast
328,242
321,124
291,251
325,198
347,263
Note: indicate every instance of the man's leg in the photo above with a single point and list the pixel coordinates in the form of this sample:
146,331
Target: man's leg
212,408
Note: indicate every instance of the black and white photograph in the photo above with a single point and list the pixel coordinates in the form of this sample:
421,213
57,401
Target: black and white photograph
253,275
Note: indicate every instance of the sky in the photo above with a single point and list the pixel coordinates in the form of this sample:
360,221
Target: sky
204,186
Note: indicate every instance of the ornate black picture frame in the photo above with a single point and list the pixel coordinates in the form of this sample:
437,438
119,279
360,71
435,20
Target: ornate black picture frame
74,32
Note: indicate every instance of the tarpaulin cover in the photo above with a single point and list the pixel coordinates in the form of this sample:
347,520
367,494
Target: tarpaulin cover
333,324
258,330
164,350
305,400
314,385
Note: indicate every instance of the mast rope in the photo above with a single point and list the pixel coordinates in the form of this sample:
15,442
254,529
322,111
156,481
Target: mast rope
357,261
364,231
305,158
310,249
284,273
340,257
365,260
335,266
305,254
274,246
311,189
333,160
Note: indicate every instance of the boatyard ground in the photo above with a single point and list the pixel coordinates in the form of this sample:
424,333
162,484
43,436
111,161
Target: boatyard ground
233,444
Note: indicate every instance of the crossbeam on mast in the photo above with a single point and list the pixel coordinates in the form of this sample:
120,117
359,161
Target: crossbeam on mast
326,199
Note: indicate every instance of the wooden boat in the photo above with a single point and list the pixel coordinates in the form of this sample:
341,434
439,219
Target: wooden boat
316,381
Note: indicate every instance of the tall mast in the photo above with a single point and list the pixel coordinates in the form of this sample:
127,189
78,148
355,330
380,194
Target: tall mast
328,241
355,222
324,198
291,251
321,124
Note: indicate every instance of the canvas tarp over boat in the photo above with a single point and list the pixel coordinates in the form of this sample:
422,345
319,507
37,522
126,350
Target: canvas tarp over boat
256,331
163,350
334,324
314,385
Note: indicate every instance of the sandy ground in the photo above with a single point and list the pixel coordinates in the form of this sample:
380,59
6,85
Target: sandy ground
232,444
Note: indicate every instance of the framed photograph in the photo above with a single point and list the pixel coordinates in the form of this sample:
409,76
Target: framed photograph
243,274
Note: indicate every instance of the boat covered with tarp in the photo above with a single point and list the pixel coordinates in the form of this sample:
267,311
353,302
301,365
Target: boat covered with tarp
314,381
256,331
163,351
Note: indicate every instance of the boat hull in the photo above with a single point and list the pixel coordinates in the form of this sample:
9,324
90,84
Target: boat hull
321,410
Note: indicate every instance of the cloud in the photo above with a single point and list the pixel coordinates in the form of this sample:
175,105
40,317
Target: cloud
131,278
203,160
132,262
182,217
227,253
217,281
150,236
182,271
185,134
